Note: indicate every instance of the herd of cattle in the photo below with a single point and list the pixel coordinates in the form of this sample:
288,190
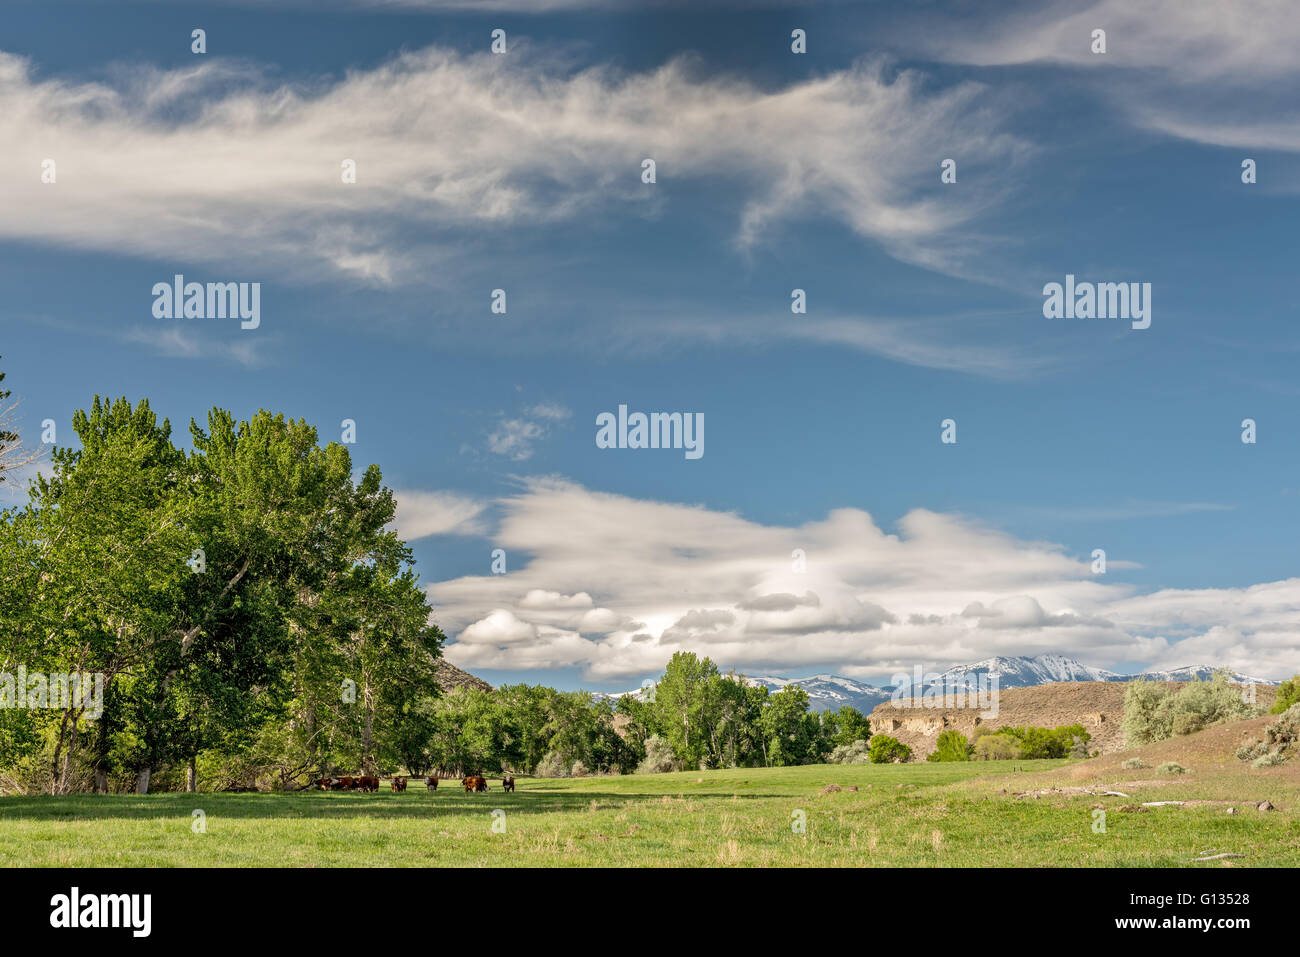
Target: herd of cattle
362,782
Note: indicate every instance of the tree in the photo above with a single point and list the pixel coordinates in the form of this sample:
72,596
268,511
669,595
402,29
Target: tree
951,745
219,593
1288,693
682,706
887,750
845,726
788,733
11,453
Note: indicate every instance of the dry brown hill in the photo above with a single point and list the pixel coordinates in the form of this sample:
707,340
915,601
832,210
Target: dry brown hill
449,677
1097,705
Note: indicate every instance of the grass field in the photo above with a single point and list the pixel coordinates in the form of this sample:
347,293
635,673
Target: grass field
976,814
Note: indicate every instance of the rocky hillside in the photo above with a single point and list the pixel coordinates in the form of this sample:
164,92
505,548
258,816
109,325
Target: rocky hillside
1097,705
449,677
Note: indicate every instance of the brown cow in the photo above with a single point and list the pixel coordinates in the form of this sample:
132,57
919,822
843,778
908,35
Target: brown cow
370,784
345,783
432,782
508,783
474,782
399,784
467,783
480,783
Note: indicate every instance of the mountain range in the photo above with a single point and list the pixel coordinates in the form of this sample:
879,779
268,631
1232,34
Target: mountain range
828,692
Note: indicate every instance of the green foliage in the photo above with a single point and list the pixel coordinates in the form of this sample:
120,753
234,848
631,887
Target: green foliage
845,726
225,594
1153,711
1033,743
886,750
1171,767
951,745
1288,694
1133,764
996,747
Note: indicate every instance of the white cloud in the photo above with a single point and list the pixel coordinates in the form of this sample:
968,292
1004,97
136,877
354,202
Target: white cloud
516,437
176,343
219,162
1188,68
421,514
615,585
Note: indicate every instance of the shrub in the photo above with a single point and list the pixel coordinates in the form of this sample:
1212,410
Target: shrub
1171,767
951,746
856,753
996,747
1154,712
579,770
552,766
1288,693
1252,750
659,757
1281,740
1188,723
1132,764
885,750
1284,733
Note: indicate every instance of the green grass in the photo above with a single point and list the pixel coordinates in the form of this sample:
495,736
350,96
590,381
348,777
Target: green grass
908,815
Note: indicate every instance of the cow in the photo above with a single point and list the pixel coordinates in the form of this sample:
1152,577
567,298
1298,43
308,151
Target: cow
399,784
345,783
467,783
369,783
480,783
473,783
508,783
432,782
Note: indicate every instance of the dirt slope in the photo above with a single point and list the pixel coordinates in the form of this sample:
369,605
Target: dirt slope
1097,705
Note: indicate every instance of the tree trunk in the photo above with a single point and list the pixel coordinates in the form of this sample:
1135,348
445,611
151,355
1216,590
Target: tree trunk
367,734
191,777
101,781
142,782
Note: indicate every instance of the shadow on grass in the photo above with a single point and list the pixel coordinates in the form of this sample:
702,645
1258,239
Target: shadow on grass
322,805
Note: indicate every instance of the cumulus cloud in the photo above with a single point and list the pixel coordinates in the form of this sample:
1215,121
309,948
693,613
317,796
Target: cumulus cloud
221,162
615,585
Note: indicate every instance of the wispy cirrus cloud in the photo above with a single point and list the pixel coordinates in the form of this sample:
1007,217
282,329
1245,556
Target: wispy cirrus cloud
1194,69
222,162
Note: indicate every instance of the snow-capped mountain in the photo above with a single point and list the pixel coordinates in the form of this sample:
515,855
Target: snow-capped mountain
828,692
1021,672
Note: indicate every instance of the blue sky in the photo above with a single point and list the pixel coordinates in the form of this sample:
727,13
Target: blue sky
775,171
